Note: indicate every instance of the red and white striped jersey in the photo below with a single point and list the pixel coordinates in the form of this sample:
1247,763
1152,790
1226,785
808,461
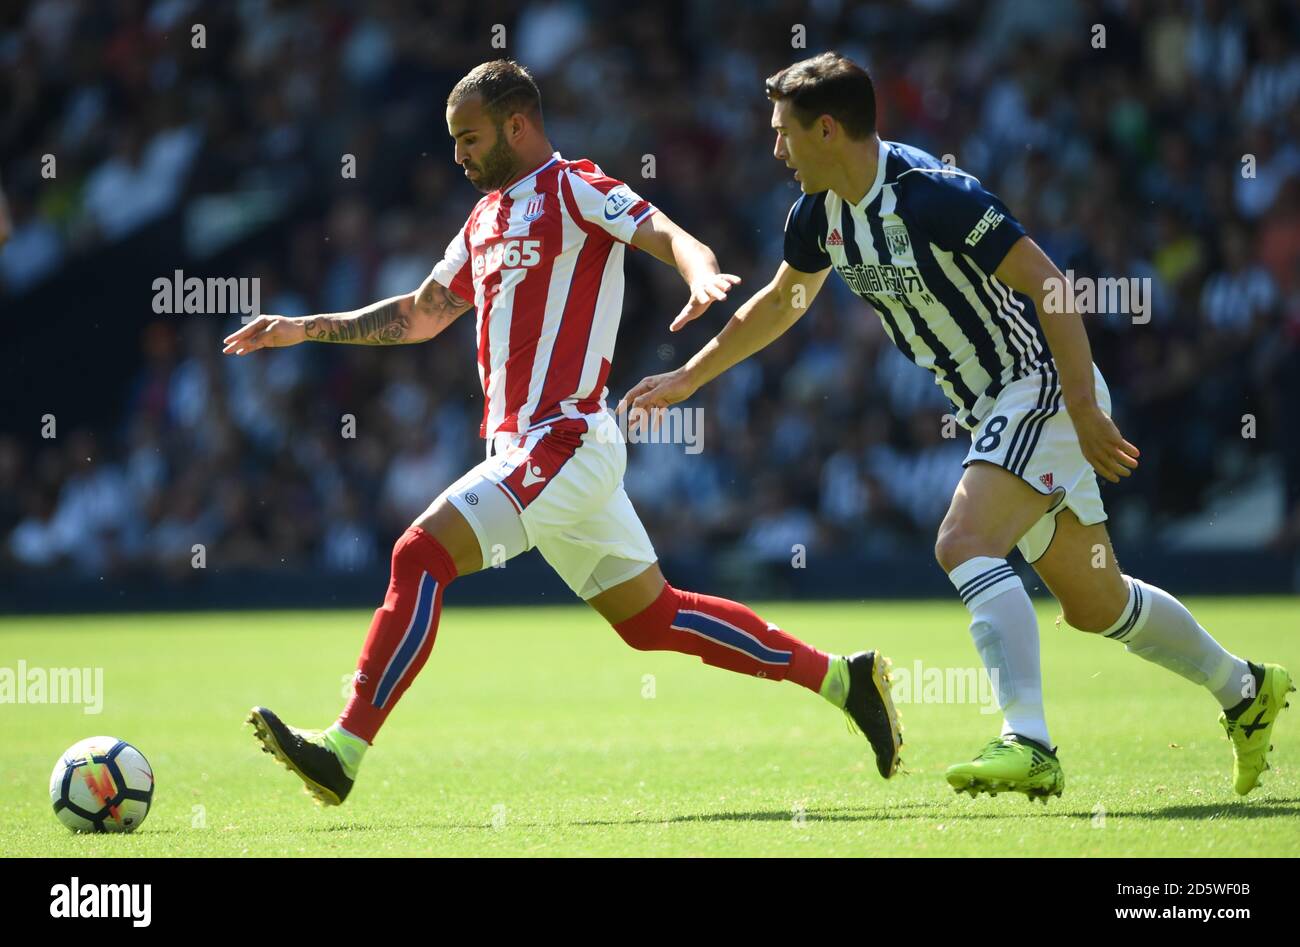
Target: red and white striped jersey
543,261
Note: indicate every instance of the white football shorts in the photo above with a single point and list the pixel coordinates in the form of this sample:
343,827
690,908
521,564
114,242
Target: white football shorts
559,487
1029,433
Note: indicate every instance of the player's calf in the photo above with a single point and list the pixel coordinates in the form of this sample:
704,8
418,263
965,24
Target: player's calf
401,633
1157,627
1079,567
723,634
397,646
727,634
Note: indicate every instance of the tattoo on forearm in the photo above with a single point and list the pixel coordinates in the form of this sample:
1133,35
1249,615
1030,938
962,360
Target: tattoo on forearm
440,302
391,322
384,324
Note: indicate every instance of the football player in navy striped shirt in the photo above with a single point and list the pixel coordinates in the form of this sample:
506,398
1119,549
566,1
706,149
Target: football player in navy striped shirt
961,290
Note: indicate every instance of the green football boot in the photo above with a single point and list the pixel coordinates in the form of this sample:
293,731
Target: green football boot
305,753
1010,764
1251,729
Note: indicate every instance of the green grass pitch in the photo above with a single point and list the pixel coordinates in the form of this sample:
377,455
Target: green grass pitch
538,732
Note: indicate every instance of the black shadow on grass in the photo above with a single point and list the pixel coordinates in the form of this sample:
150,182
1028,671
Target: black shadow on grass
1238,809
850,814
906,811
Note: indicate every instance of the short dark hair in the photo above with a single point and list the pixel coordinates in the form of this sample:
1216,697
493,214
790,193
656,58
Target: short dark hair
828,84
506,88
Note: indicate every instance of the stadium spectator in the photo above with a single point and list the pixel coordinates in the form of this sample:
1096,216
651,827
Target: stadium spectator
828,438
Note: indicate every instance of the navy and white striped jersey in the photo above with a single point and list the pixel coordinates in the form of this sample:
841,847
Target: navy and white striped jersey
921,248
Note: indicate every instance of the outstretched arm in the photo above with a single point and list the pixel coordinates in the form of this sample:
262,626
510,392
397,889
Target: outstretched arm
669,243
415,317
756,324
1027,269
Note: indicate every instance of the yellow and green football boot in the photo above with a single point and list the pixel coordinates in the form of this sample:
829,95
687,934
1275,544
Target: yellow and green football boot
1250,729
1010,764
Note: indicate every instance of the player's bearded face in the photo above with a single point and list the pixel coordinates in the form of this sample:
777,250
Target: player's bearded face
496,167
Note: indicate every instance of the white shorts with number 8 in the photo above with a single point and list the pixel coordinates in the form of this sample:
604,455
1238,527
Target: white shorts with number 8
1029,433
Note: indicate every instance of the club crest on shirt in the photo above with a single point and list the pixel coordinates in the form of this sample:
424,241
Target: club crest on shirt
897,240
535,207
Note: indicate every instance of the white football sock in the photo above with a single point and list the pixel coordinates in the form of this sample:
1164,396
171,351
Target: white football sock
1156,626
1005,630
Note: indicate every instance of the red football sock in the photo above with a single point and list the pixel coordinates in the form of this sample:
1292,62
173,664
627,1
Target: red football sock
724,634
401,633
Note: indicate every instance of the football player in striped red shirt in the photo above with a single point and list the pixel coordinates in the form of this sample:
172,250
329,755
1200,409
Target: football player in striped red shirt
540,261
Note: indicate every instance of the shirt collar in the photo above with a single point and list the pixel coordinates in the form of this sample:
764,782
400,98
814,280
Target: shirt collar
555,156
882,163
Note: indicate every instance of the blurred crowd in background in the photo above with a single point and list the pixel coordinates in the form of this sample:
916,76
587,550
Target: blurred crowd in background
1169,153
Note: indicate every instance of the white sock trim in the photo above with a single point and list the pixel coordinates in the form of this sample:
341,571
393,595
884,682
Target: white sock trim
1135,614
983,578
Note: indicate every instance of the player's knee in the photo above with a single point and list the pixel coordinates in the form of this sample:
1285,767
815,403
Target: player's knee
416,552
1084,620
956,544
1092,616
644,635
1095,607
454,536
641,639
404,550
650,629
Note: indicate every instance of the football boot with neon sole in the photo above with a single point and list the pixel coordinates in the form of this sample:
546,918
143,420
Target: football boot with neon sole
870,708
1251,731
306,754
1010,764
